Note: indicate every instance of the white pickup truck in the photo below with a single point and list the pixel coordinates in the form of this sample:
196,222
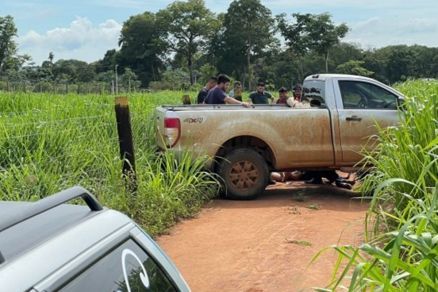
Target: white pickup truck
246,144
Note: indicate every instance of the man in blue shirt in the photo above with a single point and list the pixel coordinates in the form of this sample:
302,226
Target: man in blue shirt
260,96
217,95
204,91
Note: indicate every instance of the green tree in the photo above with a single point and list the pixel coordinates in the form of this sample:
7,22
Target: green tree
344,52
354,67
47,68
73,71
324,34
247,34
189,25
315,32
8,47
108,62
129,80
399,62
296,37
143,47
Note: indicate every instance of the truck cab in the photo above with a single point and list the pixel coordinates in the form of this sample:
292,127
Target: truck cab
357,105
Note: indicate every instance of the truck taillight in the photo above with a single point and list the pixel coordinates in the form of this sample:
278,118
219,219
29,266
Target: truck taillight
172,131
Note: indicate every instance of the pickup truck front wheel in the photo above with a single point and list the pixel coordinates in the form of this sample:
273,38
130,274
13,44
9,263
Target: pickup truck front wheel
244,173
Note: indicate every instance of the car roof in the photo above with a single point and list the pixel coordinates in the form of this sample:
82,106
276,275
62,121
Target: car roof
24,225
33,232
29,233
30,266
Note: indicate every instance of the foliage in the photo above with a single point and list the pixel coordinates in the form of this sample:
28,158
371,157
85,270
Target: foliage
52,142
77,70
188,25
402,249
108,62
9,60
248,29
143,47
353,67
311,32
172,80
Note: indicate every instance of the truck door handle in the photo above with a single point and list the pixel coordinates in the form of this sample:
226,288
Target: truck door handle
354,118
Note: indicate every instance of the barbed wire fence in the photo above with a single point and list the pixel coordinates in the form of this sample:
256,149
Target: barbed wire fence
66,87
21,131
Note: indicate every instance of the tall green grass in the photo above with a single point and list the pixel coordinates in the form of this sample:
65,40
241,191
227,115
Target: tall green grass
401,252
52,142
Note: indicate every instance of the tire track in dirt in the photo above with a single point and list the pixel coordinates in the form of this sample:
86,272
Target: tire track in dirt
266,244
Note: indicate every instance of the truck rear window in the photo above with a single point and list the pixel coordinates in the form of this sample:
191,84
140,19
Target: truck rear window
314,89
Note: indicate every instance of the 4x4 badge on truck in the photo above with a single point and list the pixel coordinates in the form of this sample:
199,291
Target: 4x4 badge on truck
198,120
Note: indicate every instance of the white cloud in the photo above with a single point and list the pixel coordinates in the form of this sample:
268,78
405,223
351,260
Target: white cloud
122,3
391,30
80,40
369,4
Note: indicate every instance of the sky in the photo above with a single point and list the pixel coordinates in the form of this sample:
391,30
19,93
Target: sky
86,29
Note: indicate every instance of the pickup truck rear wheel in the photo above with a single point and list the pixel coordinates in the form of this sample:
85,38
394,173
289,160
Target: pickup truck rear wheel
245,174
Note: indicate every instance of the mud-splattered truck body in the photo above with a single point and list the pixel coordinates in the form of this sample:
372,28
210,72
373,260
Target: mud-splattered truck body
247,143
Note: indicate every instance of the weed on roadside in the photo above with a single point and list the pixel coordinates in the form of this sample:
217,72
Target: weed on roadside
300,196
313,206
299,242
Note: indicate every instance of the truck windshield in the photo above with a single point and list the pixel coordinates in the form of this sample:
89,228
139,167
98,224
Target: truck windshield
314,89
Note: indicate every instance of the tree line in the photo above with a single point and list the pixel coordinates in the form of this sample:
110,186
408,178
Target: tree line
186,43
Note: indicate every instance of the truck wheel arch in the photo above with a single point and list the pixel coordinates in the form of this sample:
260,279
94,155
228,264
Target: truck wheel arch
252,142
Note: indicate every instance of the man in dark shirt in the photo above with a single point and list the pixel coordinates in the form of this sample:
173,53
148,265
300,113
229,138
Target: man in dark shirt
260,96
204,91
217,95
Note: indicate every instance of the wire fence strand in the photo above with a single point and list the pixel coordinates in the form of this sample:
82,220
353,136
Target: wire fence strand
57,121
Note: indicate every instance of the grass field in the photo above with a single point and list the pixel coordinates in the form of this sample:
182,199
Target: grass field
52,142
401,250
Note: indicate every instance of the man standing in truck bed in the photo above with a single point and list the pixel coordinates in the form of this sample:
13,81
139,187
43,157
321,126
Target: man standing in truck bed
204,91
260,96
217,95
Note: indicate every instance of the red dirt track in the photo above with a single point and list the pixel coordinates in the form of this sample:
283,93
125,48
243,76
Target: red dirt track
266,244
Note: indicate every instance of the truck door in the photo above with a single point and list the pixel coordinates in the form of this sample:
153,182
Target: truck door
364,105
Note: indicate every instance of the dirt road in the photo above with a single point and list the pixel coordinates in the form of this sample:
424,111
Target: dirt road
266,244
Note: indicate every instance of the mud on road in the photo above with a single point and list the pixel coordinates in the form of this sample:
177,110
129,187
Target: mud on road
266,244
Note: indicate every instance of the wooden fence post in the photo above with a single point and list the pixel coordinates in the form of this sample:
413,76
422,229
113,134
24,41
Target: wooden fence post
126,142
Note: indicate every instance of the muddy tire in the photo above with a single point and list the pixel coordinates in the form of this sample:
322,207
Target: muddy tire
244,174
